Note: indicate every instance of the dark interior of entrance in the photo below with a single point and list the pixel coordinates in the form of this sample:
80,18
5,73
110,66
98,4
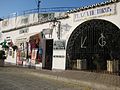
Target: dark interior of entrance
93,43
47,54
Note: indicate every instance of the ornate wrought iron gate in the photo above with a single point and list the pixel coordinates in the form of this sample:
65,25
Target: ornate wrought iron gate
91,40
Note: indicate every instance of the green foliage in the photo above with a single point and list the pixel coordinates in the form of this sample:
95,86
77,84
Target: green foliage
2,55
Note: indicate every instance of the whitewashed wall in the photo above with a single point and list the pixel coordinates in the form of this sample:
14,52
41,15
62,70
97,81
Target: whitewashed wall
73,24
67,27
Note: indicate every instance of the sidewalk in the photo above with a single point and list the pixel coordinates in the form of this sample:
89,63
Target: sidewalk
94,80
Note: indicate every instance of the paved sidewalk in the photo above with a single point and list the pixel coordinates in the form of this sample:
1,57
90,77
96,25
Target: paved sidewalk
94,80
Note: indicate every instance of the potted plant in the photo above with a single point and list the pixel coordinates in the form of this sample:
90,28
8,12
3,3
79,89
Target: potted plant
2,57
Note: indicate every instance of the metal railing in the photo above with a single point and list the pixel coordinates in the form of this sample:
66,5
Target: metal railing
41,10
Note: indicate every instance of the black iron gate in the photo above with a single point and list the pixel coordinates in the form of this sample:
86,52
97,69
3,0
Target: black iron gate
95,41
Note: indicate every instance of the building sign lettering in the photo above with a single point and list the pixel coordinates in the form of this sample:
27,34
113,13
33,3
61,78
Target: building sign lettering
101,40
83,42
58,56
23,30
97,12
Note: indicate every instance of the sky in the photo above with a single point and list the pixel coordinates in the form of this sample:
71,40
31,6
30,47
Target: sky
7,7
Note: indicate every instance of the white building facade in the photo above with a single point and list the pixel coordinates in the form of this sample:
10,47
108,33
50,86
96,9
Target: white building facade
78,35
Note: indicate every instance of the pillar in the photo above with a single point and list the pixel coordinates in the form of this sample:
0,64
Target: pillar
113,66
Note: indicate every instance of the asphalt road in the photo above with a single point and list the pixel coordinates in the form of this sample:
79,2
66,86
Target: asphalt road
16,79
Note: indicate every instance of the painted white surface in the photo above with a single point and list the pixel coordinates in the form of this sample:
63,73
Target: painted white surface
58,63
10,59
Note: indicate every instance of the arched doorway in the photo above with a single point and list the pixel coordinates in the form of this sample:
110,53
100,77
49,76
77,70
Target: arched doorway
94,41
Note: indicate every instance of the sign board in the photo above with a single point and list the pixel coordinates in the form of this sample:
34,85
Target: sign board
23,30
95,12
59,45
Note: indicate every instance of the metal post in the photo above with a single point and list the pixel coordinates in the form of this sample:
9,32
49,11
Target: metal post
38,6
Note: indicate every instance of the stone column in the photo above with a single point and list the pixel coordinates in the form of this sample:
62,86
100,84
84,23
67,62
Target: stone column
113,65
81,64
116,66
74,64
109,66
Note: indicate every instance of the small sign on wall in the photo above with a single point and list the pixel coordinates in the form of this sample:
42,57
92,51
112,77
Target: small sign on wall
95,12
59,45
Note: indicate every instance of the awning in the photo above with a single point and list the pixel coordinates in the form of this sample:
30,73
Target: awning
25,37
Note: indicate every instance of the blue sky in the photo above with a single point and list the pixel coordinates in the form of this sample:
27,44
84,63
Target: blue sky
8,7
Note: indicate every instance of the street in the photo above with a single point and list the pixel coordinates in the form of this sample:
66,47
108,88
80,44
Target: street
12,78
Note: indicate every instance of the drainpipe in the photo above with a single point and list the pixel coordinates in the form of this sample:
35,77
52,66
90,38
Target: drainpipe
59,33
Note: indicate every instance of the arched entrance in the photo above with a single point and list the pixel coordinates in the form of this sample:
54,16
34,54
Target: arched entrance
93,42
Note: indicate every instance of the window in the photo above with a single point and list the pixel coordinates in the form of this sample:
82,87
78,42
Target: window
45,17
24,20
5,23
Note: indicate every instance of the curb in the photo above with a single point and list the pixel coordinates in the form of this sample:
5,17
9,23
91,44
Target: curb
89,84
95,86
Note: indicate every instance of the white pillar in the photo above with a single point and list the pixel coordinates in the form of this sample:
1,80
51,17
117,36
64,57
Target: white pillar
113,66
81,64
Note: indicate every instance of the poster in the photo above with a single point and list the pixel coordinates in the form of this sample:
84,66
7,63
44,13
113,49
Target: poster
33,56
19,62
